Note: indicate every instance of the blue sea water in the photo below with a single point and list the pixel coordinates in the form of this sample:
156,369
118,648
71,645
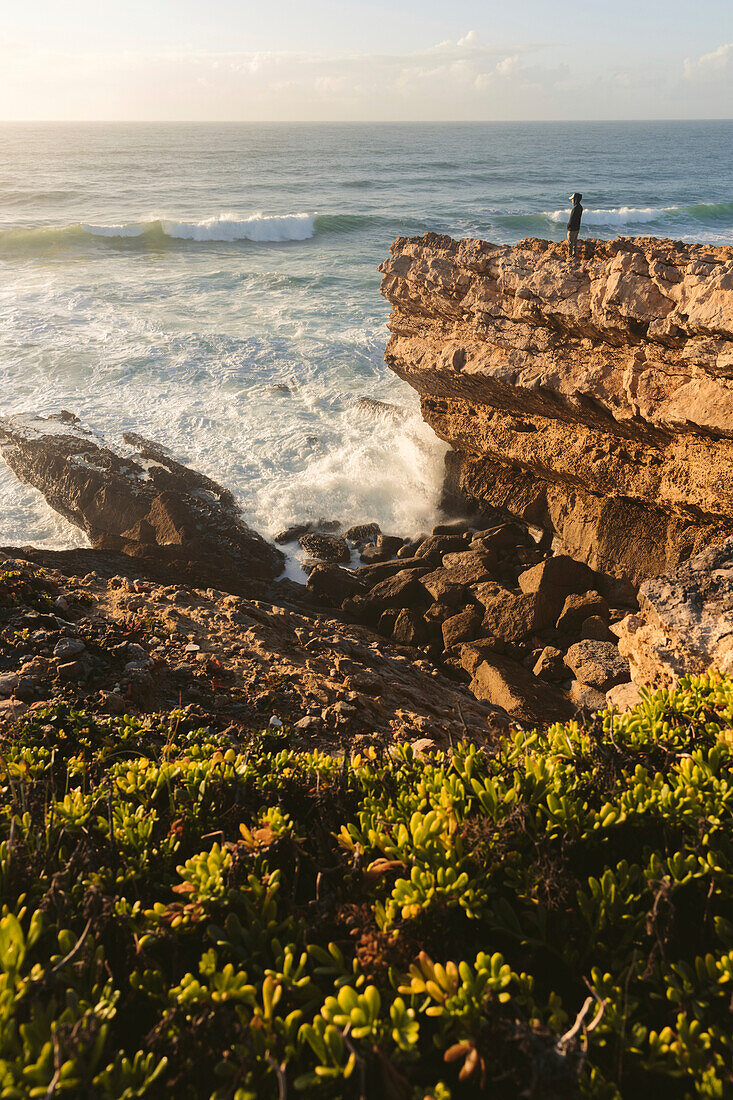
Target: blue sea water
164,278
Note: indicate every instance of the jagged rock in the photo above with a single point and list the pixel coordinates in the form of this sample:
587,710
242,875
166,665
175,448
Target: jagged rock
292,534
372,554
361,532
578,608
442,588
685,621
507,684
434,617
505,536
389,544
326,547
597,664
513,616
397,591
370,574
462,627
558,576
469,567
145,505
435,546
409,627
590,399
331,583
471,654
550,665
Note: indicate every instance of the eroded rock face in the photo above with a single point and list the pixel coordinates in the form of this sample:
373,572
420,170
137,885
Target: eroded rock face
685,621
140,502
593,398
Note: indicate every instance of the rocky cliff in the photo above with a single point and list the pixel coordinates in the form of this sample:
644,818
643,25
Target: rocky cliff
593,398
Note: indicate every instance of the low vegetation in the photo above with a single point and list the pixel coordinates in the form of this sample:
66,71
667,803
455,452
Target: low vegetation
188,914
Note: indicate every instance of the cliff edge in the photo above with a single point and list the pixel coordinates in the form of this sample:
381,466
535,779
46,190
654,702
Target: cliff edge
593,398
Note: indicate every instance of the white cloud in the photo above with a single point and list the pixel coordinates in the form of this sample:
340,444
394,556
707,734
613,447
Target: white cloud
710,64
453,77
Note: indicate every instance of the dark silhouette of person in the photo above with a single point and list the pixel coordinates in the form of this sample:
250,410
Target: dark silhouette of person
576,213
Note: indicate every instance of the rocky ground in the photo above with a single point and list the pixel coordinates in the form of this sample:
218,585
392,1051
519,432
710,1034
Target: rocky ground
123,643
526,630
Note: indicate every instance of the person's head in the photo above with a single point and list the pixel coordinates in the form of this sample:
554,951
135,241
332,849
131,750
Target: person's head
575,197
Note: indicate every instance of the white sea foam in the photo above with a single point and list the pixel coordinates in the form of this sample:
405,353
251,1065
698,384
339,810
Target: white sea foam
257,227
615,215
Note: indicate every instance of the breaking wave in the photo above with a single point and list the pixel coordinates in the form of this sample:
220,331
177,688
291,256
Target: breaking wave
221,228
716,215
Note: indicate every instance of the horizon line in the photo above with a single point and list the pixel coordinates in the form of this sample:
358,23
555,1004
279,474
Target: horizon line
343,122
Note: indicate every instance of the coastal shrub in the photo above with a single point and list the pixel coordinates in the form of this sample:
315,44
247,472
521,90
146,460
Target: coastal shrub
188,913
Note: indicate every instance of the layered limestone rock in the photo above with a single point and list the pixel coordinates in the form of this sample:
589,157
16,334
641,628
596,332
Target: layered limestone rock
593,398
685,621
139,501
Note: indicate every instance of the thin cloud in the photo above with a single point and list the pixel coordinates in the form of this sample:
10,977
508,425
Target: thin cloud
709,64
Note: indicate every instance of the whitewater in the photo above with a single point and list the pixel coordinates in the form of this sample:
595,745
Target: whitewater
215,287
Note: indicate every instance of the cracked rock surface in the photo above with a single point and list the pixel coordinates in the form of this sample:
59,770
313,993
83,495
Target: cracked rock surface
592,398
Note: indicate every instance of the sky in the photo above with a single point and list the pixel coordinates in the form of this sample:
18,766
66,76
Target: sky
375,60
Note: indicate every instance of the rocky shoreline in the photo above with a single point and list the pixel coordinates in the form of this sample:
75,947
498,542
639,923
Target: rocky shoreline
589,410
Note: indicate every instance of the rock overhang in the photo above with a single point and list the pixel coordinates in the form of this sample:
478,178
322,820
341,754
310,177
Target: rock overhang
604,381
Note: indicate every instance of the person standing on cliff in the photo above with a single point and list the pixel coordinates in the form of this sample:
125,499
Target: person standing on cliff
576,213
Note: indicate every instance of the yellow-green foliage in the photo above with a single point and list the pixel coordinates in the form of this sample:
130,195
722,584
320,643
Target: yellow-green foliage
186,915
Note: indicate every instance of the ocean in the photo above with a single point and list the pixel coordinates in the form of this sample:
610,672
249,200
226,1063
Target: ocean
215,287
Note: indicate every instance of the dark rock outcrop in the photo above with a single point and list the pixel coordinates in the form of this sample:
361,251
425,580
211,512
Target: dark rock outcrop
139,502
593,399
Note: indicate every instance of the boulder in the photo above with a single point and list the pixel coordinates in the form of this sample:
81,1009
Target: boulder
436,545
550,666
471,654
362,532
142,503
389,544
597,664
462,627
370,574
401,590
469,567
439,585
505,536
325,547
513,616
371,554
292,534
577,608
507,684
558,577
409,627
332,584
